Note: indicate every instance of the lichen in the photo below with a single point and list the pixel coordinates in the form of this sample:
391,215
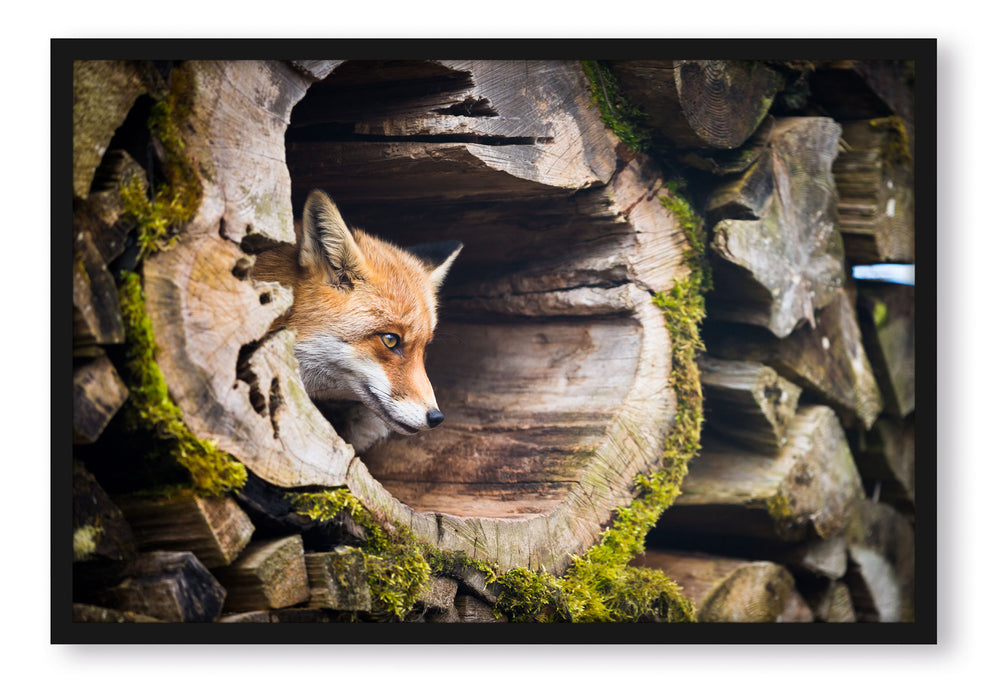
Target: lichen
212,472
85,540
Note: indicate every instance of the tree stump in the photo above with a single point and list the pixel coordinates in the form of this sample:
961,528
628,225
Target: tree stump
551,362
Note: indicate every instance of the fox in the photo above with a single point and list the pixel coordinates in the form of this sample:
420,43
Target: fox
364,311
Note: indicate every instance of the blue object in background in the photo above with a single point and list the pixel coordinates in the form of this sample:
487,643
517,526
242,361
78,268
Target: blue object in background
898,274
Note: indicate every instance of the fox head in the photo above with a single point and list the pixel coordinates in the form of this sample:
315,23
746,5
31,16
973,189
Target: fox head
364,311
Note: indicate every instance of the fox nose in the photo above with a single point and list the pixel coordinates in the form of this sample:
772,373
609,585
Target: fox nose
434,418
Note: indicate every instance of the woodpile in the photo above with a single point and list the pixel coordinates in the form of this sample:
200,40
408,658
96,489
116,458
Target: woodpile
207,486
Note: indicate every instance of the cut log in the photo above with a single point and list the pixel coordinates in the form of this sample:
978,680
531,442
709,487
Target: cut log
886,318
95,305
807,488
565,245
873,586
269,574
796,609
215,529
338,580
820,558
832,603
436,604
168,586
879,528
99,530
875,180
780,255
101,214
828,361
748,402
97,393
723,589
700,104
886,454
93,613
103,92
470,609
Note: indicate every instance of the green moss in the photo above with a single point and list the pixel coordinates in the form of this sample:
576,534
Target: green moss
212,472
879,313
396,566
176,200
621,116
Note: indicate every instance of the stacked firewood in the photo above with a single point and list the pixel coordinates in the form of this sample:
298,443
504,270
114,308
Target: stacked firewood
800,506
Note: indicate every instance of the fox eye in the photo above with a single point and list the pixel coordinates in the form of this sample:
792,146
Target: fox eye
391,340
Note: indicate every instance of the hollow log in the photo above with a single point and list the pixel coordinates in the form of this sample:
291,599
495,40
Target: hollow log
724,589
807,488
700,104
875,180
778,251
551,361
748,402
828,360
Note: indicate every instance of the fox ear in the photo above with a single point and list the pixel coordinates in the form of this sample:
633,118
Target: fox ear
437,257
327,243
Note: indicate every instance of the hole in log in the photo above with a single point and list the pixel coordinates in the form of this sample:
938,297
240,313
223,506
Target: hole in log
528,393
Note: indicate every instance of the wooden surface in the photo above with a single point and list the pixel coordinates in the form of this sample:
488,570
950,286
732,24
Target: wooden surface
808,487
538,447
784,260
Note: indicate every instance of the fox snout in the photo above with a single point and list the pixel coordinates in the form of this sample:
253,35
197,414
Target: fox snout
434,418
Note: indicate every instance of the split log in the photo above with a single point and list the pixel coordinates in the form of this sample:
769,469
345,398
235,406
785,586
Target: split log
873,586
828,360
338,580
565,244
832,603
748,402
700,104
820,558
778,251
215,529
886,318
855,90
471,609
97,394
886,454
723,589
101,214
168,586
290,615
796,609
95,306
94,613
99,530
808,487
269,574
875,181
879,528
436,603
